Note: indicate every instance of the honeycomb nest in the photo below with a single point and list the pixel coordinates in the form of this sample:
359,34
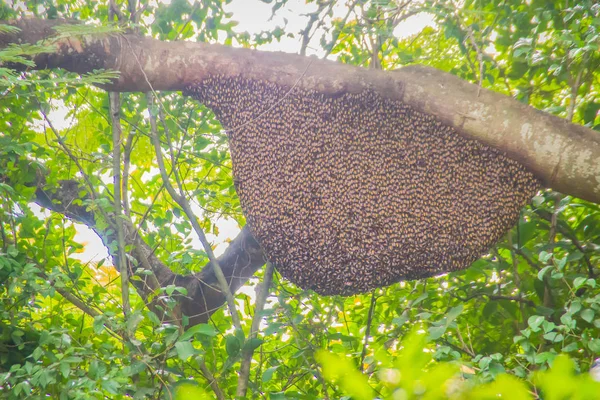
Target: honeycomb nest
353,192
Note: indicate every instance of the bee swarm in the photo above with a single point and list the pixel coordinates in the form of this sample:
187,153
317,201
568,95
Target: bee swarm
349,193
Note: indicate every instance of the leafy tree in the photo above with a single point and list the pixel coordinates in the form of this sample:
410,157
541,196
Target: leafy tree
151,174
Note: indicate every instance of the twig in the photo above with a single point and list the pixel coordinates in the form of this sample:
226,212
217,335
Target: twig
510,298
575,241
86,309
548,298
306,35
565,231
336,36
314,368
529,261
575,91
471,37
515,268
76,301
75,160
261,299
496,297
113,10
368,330
126,164
212,381
464,348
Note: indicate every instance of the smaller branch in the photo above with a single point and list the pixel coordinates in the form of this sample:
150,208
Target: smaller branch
261,299
588,263
565,231
464,348
189,19
528,259
113,10
180,199
306,31
132,8
515,268
75,160
368,330
511,298
548,300
212,381
471,37
115,108
76,301
336,35
496,297
458,348
126,164
3,238
575,91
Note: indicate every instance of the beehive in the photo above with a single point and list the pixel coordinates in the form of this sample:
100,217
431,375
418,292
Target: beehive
350,193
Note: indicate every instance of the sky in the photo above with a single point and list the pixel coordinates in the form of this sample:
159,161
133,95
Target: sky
253,16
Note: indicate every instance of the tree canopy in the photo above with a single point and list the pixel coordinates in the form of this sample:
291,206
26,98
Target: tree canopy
95,135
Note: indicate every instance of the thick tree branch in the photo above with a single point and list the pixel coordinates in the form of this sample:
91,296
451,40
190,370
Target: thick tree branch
239,262
562,154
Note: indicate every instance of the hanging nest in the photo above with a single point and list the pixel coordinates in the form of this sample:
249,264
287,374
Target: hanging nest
353,192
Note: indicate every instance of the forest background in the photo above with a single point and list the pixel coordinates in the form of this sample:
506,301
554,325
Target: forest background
70,327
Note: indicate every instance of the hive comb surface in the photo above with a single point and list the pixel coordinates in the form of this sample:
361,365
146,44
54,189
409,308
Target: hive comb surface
354,192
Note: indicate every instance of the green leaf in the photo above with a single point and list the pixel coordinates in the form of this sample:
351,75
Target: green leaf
9,29
554,337
185,350
37,353
570,347
186,390
232,345
543,271
436,332
453,313
268,374
534,322
201,329
252,344
544,357
579,282
504,387
594,345
587,315
272,328
548,326
134,320
574,307
111,386
341,371
65,369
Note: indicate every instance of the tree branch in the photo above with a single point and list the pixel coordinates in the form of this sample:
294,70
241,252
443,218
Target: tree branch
115,111
180,199
367,331
261,299
562,154
239,262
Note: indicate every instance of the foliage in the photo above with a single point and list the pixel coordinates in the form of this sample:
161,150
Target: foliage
493,330
414,375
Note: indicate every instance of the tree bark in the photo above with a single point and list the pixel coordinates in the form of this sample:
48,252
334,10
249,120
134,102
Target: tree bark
563,155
